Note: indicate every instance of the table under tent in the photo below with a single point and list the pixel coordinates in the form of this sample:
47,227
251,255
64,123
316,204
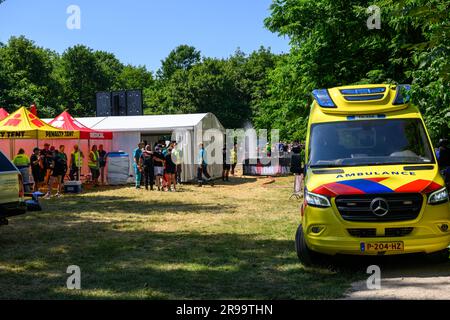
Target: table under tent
187,129
88,138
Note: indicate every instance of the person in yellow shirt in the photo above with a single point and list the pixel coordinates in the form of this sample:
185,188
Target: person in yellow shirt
22,162
76,163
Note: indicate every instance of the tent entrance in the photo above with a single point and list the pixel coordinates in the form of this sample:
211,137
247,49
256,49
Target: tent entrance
153,139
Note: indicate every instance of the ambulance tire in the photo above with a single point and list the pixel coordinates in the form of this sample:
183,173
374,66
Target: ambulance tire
306,256
439,256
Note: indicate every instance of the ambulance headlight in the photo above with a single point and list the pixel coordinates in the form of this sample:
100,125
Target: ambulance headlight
316,200
438,197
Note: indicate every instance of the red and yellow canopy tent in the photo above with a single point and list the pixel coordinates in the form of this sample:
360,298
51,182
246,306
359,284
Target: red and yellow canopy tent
88,136
3,114
66,122
22,129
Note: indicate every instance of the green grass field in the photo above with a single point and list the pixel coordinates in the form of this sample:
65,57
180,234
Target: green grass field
232,241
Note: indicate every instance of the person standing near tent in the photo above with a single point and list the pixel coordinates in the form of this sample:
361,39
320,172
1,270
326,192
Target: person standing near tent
137,153
22,162
158,162
146,163
177,157
76,163
57,170
36,169
63,156
233,159
225,165
94,165
47,156
102,162
170,169
202,169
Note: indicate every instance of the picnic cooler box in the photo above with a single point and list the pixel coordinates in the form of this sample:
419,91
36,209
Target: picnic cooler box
72,187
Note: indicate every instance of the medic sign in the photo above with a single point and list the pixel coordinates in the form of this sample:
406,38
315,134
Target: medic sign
97,135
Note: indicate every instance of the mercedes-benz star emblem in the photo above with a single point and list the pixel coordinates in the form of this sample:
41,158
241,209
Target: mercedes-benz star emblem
379,207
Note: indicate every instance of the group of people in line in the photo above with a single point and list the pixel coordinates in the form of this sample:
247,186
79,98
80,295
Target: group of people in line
159,165
49,166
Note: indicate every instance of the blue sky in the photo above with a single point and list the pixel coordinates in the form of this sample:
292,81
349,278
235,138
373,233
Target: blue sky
142,32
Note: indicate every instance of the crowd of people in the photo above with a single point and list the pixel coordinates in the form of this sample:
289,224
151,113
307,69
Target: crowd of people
50,167
158,166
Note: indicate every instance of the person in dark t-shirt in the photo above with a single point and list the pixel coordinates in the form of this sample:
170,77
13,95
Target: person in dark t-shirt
146,163
36,169
158,163
171,170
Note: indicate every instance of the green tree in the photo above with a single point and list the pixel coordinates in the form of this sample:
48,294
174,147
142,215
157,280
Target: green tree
182,57
83,74
132,77
26,76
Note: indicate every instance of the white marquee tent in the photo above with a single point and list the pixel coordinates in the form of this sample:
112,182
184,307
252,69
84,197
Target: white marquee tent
188,129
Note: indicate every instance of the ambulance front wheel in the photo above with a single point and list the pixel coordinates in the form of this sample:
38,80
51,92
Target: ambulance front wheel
306,256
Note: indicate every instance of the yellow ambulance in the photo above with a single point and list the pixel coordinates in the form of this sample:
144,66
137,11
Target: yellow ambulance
372,183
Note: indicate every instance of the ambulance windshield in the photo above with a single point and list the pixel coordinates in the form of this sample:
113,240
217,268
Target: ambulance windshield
369,142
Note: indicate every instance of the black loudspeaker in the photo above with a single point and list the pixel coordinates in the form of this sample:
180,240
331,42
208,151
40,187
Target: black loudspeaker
104,104
296,164
134,103
119,103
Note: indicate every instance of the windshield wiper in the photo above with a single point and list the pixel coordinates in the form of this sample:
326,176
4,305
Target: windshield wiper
315,166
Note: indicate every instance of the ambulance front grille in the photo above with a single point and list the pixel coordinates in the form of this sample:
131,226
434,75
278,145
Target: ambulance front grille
402,207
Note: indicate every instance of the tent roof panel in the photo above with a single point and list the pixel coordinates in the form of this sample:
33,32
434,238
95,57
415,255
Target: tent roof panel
151,123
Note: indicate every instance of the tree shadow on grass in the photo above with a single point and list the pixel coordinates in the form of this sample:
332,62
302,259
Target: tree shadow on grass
129,205
137,264
233,181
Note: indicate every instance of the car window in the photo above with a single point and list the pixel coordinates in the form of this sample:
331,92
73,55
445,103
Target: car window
5,164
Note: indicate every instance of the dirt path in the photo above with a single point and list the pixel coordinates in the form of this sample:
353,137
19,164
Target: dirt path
417,281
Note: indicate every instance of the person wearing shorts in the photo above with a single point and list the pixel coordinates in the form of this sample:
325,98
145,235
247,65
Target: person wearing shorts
57,171
158,163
